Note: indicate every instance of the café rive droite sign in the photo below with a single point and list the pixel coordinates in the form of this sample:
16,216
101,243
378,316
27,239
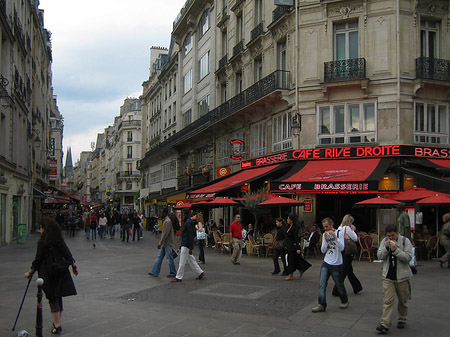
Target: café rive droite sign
351,152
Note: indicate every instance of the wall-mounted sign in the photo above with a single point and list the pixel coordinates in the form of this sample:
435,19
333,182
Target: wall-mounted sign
237,148
53,169
308,206
223,171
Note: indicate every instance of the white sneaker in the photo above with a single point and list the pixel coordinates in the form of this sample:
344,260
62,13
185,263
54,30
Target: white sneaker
319,308
344,305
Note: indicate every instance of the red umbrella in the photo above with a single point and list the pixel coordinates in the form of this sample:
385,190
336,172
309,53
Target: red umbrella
378,202
184,205
280,201
222,202
436,199
413,194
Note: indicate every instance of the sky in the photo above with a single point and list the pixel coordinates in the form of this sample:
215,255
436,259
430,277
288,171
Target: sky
101,55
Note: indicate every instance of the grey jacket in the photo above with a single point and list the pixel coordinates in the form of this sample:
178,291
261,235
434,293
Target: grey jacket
167,233
403,253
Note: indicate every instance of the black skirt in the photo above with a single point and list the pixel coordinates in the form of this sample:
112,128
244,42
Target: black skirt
296,261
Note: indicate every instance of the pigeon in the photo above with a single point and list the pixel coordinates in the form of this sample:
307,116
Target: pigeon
93,245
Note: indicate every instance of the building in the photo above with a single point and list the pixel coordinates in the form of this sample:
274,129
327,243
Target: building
27,106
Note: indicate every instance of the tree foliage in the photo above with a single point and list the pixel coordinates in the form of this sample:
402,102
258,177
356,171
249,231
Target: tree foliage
251,201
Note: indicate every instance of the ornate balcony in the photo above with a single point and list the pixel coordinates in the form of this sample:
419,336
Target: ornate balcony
133,123
257,31
238,48
279,12
345,70
223,61
433,68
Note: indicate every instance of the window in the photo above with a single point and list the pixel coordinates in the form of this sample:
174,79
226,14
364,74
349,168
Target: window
188,44
204,65
204,24
187,80
129,152
238,83
223,151
258,140
170,114
346,41
129,185
155,177
429,38
347,123
282,132
169,170
174,112
224,43
129,136
239,28
129,169
258,70
431,123
187,118
175,83
223,93
203,106
258,11
282,56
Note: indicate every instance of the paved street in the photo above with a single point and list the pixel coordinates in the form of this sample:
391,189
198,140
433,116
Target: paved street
116,297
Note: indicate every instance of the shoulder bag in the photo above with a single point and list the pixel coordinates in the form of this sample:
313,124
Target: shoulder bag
350,246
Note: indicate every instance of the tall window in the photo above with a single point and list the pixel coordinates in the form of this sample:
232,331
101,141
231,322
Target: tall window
204,65
238,83
346,41
203,106
174,83
187,118
174,112
187,80
129,152
169,170
204,24
258,11
223,93
188,44
347,123
258,140
129,169
239,28
429,39
431,123
258,69
129,136
223,151
282,131
224,43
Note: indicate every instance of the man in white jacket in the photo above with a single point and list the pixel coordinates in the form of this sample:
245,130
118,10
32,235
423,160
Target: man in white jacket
332,246
396,251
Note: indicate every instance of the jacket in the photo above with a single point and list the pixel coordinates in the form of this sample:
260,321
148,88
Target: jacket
403,253
188,234
292,242
167,233
55,285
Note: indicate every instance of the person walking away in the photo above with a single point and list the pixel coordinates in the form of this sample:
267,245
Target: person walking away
236,239
57,283
279,247
110,224
445,240
295,259
396,251
187,245
165,247
125,226
201,237
72,225
333,244
135,221
117,219
87,223
102,222
350,237
404,226
93,225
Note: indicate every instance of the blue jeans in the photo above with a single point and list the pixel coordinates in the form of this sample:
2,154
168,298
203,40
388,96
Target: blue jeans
94,233
335,271
159,258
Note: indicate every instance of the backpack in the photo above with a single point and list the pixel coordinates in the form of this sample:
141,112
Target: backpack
175,223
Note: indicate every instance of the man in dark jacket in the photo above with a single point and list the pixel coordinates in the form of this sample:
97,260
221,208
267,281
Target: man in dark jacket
187,245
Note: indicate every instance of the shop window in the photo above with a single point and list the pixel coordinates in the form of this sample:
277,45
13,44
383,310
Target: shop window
281,126
431,123
258,140
347,123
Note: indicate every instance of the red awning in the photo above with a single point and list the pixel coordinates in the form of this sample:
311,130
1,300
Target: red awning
235,180
333,175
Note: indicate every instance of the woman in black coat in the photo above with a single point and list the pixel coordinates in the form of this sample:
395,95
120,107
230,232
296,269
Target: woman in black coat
57,283
295,259
281,250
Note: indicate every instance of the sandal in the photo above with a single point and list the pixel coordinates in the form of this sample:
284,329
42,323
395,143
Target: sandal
56,330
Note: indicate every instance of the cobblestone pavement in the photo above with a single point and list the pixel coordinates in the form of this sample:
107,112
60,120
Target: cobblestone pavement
116,297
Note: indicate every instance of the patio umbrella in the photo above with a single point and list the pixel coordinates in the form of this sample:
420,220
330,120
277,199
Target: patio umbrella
438,199
412,194
280,202
221,202
184,205
379,203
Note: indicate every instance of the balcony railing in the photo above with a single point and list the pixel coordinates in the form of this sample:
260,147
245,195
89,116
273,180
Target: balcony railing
124,174
223,61
125,124
257,31
279,12
238,48
345,70
433,69
278,80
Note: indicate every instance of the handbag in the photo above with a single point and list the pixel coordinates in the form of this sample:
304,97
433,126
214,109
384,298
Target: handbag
58,266
174,254
350,246
278,245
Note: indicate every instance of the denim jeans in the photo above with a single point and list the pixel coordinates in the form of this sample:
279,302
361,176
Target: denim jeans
159,258
94,233
335,271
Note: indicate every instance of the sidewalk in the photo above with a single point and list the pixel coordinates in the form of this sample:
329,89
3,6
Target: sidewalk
116,297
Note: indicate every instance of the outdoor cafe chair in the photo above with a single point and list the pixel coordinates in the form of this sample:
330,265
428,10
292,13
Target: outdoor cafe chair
432,246
218,244
255,245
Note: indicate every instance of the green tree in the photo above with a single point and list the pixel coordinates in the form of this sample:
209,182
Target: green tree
251,201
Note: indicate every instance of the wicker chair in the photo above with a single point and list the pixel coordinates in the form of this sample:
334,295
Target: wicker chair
432,246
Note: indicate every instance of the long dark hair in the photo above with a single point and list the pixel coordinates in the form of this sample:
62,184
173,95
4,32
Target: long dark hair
52,234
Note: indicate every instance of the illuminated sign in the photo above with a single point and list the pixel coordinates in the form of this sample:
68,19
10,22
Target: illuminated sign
350,152
319,187
222,171
307,207
237,148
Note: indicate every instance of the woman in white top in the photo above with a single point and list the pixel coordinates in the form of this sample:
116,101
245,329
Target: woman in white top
348,230
201,237
102,225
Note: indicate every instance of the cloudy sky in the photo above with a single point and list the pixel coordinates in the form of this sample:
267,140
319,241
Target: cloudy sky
101,53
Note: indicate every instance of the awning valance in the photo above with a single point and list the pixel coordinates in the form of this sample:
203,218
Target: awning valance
333,175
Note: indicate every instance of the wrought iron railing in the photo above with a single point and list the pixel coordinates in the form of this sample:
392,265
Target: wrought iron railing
223,61
279,12
345,70
129,123
123,174
278,80
238,48
433,68
257,31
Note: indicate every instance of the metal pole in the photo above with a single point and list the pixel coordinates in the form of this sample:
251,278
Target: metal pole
21,304
39,283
